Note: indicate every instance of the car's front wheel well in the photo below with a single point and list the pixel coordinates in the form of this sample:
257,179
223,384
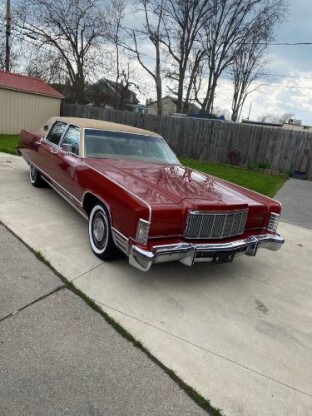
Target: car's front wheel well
100,232
90,201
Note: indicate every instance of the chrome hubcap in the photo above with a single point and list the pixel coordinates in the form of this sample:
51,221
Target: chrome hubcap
99,230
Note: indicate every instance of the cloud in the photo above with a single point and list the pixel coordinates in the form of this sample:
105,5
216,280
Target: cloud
288,96
291,92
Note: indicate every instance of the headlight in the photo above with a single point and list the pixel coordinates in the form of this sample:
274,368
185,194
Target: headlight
273,222
142,231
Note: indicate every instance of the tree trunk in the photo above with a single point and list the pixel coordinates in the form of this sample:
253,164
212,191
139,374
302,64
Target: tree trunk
180,95
79,86
158,79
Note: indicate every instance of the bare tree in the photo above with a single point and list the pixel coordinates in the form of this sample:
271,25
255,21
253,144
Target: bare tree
44,63
14,47
276,118
225,33
73,29
183,21
116,12
2,36
2,54
194,75
251,58
153,19
248,66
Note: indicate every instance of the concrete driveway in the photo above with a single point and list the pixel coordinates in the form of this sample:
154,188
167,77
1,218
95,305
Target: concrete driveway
240,334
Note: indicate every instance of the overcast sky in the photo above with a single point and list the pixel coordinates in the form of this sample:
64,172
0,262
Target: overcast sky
290,92
290,89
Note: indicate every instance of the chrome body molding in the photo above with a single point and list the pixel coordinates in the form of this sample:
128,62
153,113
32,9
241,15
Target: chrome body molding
189,254
121,241
55,187
59,189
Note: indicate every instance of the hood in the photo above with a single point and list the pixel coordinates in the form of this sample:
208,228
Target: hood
173,184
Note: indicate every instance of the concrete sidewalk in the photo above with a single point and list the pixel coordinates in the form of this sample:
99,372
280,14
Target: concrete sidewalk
59,357
239,333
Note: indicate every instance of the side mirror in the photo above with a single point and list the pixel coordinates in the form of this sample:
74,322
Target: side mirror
67,147
45,127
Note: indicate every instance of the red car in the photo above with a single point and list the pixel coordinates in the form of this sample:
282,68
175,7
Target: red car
139,199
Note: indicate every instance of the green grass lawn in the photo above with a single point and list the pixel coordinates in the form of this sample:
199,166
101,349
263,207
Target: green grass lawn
264,184
8,143
259,182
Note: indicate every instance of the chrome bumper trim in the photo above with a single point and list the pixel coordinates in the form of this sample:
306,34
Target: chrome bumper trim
189,254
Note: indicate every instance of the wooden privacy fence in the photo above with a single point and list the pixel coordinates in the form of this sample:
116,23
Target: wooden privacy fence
275,148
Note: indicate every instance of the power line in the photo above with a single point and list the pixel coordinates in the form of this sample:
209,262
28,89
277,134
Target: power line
285,86
287,43
146,33
284,76
277,86
260,85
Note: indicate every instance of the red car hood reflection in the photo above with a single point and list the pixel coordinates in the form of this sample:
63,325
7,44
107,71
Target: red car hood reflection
159,184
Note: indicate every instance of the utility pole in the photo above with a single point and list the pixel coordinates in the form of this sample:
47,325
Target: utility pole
8,36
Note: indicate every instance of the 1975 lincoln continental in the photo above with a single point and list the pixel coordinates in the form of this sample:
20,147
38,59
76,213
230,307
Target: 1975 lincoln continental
139,199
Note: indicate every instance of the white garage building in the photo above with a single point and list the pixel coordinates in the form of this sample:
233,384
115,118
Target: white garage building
25,102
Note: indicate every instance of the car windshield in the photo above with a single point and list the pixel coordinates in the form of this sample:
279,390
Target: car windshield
122,145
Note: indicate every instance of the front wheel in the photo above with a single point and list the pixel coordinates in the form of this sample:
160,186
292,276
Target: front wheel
100,234
35,177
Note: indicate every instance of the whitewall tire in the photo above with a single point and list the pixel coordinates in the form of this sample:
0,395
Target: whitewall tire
100,234
35,177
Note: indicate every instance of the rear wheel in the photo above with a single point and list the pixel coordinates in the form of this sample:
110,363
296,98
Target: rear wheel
100,234
35,177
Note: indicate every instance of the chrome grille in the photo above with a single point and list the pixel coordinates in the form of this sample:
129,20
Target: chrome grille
213,225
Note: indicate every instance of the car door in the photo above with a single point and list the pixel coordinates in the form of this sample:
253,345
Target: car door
66,160
49,149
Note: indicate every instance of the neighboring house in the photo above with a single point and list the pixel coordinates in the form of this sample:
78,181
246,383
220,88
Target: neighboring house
106,93
136,108
169,106
25,102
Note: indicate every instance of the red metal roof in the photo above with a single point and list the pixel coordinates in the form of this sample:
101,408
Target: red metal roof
30,85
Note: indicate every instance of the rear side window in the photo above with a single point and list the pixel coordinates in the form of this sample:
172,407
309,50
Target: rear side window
56,132
72,138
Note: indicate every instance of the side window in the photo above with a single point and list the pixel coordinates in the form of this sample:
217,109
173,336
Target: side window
71,140
56,132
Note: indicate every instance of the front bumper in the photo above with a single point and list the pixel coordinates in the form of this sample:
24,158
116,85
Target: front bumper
189,254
